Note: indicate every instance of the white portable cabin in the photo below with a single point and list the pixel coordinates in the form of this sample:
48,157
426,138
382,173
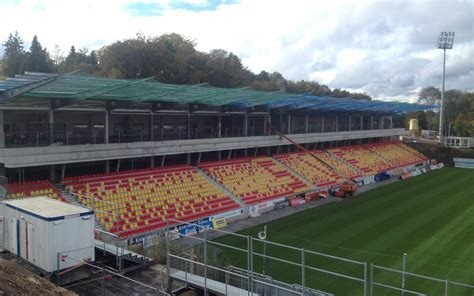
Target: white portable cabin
39,228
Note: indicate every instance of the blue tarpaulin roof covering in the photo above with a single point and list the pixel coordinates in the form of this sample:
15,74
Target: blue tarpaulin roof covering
73,86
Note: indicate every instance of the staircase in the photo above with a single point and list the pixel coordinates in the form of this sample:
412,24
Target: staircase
66,194
71,198
223,188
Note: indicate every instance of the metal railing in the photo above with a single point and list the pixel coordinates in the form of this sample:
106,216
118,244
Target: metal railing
444,284
254,282
58,138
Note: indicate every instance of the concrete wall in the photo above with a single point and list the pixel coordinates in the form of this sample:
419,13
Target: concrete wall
25,157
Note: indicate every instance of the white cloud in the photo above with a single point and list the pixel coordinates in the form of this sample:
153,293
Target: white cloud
383,48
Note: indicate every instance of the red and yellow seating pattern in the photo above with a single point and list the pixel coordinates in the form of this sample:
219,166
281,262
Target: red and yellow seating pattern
412,151
34,188
255,180
310,168
146,200
363,159
342,167
396,153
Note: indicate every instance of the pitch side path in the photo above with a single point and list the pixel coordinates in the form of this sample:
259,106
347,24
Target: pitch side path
430,217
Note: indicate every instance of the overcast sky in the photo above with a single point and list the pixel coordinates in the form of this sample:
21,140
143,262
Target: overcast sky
384,48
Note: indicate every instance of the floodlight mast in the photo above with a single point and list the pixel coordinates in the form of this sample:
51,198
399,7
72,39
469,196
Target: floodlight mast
445,41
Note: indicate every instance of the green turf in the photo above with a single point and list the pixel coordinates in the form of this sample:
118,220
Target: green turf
430,217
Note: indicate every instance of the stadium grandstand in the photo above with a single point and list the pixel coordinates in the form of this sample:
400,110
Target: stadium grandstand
143,152
148,157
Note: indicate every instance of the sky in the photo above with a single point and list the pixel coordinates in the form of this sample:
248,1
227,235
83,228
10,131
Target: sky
386,49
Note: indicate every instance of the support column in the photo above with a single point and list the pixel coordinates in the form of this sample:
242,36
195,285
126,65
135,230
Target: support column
246,124
372,122
189,158
188,123
63,171
267,128
306,124
51,125
107,166
265,124
391,121
337,123
361,122
289,123
219,127
163,160
152,127
350,122
2,129
52,173
322,123
152,161
106,128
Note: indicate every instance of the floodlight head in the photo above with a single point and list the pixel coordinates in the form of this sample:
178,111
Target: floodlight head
446,40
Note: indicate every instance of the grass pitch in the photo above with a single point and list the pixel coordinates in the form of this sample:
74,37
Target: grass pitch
430,217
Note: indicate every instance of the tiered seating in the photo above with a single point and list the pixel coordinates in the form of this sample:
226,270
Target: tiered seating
145,200
412,151
341,166
34,188
311,168
363,159
396,153
256,180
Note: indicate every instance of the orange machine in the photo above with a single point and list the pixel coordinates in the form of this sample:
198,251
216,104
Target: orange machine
346,190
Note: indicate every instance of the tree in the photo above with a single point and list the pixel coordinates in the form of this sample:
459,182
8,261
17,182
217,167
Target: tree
464,123
37,59
429,95
226,70
80,60
14,56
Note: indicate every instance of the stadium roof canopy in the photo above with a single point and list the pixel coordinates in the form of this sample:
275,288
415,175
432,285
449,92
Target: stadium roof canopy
78,87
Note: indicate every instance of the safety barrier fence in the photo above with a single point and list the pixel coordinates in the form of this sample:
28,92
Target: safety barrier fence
444,287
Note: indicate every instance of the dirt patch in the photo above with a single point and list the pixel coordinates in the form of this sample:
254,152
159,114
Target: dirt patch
15,280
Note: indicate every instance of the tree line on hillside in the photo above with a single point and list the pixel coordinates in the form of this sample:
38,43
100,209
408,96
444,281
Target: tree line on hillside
170,58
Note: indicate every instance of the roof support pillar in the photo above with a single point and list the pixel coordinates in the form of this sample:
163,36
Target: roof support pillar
188,123
361,122
52,173
246,124
337,123
306,124
391,121
322,123
106,127
350,122
107,166
265,124
289,123
2,129
152,126
219,126
51,124
371,122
